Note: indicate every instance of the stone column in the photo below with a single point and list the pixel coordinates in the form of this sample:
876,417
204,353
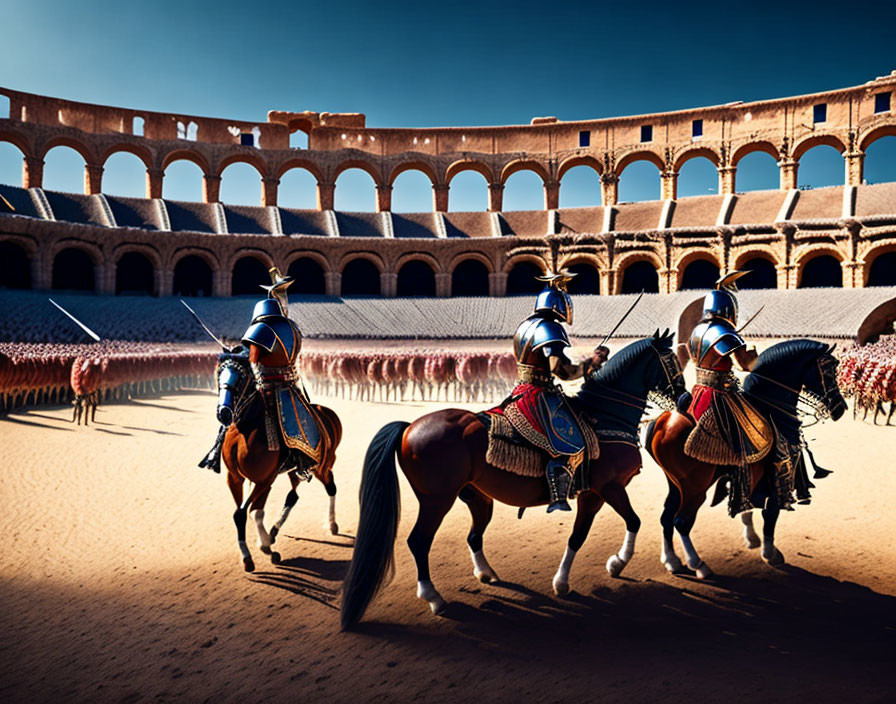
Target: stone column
609,189
495,197
497,284
855,167
443,285
164,282
41,274
440,197
606,282
785,276
154,179
789,169
669,184
32,172
388,284
269,191
326,195
727,176
211,188
104,274
668,280
222,283
93,179
383,198
852,275
333,283
551,195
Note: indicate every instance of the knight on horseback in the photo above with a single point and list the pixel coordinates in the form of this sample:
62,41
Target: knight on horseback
536,403
729,430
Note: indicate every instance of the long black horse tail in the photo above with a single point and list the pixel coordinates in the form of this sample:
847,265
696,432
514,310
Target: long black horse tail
373,559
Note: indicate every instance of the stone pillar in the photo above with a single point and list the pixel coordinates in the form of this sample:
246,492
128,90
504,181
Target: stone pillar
669,184
154,179
333,283
93,179
440,197
852,275
668,280
551,195
611,275
32,172
269,191
443,285
855,168
497,284
222,283
785,276
383,198
326,195
104,274
388,284
727,176
41,275
609,189
789,169
495,197
211,188
164,282
606,282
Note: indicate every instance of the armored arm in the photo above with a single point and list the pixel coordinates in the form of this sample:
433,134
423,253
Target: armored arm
746,358
563,367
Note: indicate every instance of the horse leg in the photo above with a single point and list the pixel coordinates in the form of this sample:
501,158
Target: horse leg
589,504
684,521
670,560
615,494
751,539
432,512
770,553
235,484
330,486
291,499
481,507
264,538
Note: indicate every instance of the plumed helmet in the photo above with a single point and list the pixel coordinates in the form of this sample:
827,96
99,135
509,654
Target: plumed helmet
267,308
722,303
277,290
554,299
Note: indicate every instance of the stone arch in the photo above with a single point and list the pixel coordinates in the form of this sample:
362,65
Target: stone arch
469,165
12,161
821,273
64,141
209,256
186,155
252,160
752,147
433,263
587,268
299,163
415,165
524,165
575,161
17,140
416,277
148,251
808,143
361,272
764,275
139,151
15,264
309,270
694,153
64,169
134,272
869,137
249,271
629,280
879,266
470,275
365,166
194,274
698,270
521,272
374,258
74,266
640,155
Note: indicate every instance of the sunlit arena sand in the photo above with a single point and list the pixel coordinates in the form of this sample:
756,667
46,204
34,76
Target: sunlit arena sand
122,581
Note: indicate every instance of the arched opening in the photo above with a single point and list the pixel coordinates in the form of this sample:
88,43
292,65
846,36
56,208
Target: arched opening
412,192
73,270
124,174
580,188
468,192
15,266
882,271
64,170
249,274
192,277
360,277
639,181
298,190
757,171
697,177
241,184
762,274
137,126
640,276
821,166
355,192
416,278
308,275
521,279
11,160
134,275
880,160
587,279
822,271
298,139
700,274
469,278
182,181
523,190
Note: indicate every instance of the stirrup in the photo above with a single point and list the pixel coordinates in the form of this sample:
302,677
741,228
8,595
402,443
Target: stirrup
558,486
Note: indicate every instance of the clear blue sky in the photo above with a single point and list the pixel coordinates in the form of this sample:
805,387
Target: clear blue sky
451,63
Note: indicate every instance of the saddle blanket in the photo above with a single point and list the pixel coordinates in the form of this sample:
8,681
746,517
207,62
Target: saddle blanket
298,422
729,431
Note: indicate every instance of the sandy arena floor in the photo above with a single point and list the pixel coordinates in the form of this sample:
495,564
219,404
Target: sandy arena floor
121,582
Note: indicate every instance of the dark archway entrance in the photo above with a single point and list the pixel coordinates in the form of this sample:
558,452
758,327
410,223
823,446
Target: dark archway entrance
249,274
15,266
360,277
73,270
822,272
587,279
309,276
134,275
882,271
762,274
640,276
521,279
192,277
416,278
699,274
469,278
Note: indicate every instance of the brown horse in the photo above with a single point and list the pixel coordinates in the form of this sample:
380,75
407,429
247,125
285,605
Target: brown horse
780,376
245,453
443,456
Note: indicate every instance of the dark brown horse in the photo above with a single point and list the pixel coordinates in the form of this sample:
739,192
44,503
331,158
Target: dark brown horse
780,376
245,453
443,456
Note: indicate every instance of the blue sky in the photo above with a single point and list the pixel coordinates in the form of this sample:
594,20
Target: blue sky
426,64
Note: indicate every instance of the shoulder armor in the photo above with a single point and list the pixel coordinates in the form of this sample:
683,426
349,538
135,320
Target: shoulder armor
535,332
718,335
261,334
548,331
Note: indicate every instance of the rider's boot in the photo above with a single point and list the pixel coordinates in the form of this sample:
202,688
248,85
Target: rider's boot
558,485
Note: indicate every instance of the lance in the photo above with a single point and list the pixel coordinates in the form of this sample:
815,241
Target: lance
204,326
751,319
78,322
622,319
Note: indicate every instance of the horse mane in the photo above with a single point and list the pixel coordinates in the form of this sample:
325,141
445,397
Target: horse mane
616,365
786,351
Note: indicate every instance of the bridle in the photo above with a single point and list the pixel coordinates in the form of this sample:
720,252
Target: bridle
814,404
665,398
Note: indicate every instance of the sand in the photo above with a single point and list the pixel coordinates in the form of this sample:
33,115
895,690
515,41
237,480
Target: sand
121,581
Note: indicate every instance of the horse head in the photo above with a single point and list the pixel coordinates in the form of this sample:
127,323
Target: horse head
234,380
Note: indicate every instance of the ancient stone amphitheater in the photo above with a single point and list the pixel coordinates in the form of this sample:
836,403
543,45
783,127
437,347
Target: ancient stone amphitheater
841,237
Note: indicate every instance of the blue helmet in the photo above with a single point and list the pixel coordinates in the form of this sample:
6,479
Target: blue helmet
555,301
722,303
267,308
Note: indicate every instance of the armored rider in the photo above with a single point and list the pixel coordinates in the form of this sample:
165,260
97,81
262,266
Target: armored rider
729,431
539,346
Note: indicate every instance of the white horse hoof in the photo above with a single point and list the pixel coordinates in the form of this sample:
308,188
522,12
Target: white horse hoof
752,541
703,571
485,576
561,588
438,606
673,564
775,559
615,565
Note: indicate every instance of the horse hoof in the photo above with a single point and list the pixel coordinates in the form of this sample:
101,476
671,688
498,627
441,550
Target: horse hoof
702,570
266,549
334,529
274,532
776,559
615,565
248,565
438,606
275,558
561,588
485,576
752,541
